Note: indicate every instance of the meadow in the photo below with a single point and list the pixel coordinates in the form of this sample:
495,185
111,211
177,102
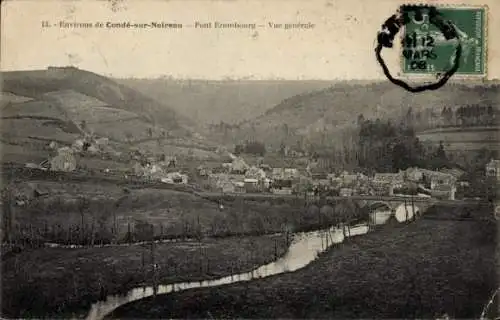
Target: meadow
64,282
420,270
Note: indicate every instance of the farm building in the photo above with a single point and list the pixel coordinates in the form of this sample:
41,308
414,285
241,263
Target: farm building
63,161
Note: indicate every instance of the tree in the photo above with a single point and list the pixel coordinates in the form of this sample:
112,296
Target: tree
129,136
282,149
8,212
83,204
255,147
238,149
285,129
439,159
361,119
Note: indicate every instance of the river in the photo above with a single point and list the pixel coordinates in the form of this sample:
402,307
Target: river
304,248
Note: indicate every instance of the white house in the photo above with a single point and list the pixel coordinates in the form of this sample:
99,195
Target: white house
493,169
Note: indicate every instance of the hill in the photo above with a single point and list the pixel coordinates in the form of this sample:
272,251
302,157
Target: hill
324,114
35,84
64,104
209,102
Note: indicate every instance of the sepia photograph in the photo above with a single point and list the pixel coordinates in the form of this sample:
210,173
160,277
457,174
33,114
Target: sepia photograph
211,159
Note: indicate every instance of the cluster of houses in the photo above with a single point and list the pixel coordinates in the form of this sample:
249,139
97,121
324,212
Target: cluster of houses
237,177
64,157
163,170
422,182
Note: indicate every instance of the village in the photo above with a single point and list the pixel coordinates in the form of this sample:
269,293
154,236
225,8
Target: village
234,174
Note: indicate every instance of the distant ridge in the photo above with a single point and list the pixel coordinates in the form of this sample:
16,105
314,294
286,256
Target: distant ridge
312,114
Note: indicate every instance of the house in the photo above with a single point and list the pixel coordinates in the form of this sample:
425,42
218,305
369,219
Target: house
226,187
285,173
435,178
239,166
239,187
456,172
348,179
252,185
53,145
394,178
101,141
414,174
63,161
444,192
291,172
203,171
78,144
346,192
222,182
93,149
387,181
493,169
282,191
439,184
175,177
255,173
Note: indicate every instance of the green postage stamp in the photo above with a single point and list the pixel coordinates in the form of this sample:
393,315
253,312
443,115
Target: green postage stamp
425,50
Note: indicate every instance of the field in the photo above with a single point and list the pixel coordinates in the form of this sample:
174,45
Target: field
59,282
99,114
71,100
33,108
421,270
8,97
176,149
15,150
50,130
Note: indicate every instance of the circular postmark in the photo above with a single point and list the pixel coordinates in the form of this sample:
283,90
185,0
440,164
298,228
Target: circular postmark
416,14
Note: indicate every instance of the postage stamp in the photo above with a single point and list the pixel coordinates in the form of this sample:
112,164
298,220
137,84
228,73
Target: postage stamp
425,50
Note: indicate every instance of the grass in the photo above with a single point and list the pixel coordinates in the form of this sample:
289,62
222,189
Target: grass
87,213
420,270
60,282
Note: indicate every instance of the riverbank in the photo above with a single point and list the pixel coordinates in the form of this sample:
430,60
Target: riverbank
423,269
60,282
89,214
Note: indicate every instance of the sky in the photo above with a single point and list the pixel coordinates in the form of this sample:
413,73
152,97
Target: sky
340,46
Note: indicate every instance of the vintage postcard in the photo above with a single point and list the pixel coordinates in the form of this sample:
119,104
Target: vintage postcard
250,159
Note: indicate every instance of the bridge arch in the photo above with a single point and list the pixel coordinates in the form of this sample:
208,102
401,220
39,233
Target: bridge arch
378,216
379,204
406,212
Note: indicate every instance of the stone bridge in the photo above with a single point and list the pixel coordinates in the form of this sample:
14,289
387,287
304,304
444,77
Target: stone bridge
391,203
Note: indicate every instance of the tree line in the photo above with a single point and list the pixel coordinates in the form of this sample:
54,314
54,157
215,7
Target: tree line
463,116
